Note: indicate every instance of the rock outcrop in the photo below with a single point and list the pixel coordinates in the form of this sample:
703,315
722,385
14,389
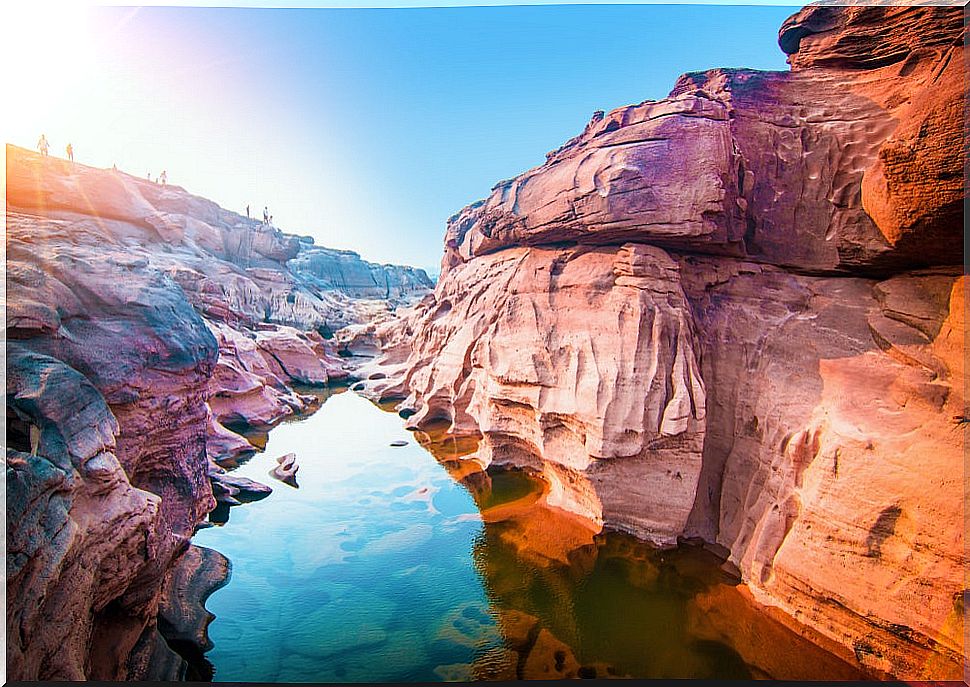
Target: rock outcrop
737,314
231,268
79,535
145,324
343,270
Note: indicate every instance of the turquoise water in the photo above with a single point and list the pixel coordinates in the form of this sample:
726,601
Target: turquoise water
391,565
358,574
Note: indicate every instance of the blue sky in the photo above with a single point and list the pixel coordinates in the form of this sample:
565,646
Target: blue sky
367,128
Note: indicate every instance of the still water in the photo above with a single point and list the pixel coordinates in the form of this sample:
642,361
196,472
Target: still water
392,564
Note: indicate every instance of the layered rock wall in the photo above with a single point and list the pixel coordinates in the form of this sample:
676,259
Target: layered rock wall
79,534
343,270
231,268
584,358
737,314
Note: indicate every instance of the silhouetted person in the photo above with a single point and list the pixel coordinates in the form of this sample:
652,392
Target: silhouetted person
43,145
149,176
247,212
265,215
114,167
163,178
70,152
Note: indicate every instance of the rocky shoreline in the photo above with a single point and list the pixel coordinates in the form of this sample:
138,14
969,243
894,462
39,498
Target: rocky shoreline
143,325
737,314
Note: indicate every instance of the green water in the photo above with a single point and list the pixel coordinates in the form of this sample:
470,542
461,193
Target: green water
380,568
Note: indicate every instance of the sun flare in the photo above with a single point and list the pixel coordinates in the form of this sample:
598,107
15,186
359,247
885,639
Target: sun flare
48,52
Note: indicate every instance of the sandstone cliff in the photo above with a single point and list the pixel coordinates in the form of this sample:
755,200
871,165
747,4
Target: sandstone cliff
737,314
143,321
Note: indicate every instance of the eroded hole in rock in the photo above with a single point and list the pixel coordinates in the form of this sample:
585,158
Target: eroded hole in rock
18,432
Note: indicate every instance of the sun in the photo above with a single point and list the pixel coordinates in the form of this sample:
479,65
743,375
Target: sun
46,52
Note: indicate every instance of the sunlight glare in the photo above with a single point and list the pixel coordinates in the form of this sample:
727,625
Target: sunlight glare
47,50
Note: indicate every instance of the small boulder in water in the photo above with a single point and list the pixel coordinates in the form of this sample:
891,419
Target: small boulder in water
242,488
285,471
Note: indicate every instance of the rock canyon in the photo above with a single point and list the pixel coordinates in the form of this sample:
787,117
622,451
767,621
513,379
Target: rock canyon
732,316
143,325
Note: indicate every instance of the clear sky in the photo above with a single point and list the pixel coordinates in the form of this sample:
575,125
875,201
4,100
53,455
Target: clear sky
366,128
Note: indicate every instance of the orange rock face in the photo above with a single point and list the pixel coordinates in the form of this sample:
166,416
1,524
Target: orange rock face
737,313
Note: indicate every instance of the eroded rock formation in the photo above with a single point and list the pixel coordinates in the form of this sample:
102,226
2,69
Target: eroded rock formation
145,323
79,534
737,314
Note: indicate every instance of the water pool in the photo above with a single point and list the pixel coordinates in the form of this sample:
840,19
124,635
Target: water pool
395,564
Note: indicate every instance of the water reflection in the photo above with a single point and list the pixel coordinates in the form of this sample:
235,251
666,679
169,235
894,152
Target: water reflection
572,601
389,564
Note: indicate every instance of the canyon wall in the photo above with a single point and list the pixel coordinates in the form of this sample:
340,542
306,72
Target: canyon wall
144,323
737,314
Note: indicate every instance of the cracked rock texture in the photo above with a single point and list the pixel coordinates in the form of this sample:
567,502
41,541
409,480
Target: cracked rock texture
142,320
737,314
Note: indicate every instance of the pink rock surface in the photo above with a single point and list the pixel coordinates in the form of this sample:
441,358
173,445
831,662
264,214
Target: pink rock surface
244,389
768,165
298,357
151,298
753,333
583,357
79,535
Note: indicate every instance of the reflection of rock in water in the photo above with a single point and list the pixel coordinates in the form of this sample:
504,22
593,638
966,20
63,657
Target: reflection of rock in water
762,636
561,591
573,601
174,648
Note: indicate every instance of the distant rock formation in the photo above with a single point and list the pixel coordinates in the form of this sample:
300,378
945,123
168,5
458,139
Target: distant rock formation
343,270
142,321
738,314
232,269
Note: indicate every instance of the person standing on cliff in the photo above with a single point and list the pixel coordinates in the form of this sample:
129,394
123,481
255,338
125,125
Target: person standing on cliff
70,152
247,212
163,178
42,145
265,214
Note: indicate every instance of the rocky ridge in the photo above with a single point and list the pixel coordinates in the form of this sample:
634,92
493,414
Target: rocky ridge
736,314
144,325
